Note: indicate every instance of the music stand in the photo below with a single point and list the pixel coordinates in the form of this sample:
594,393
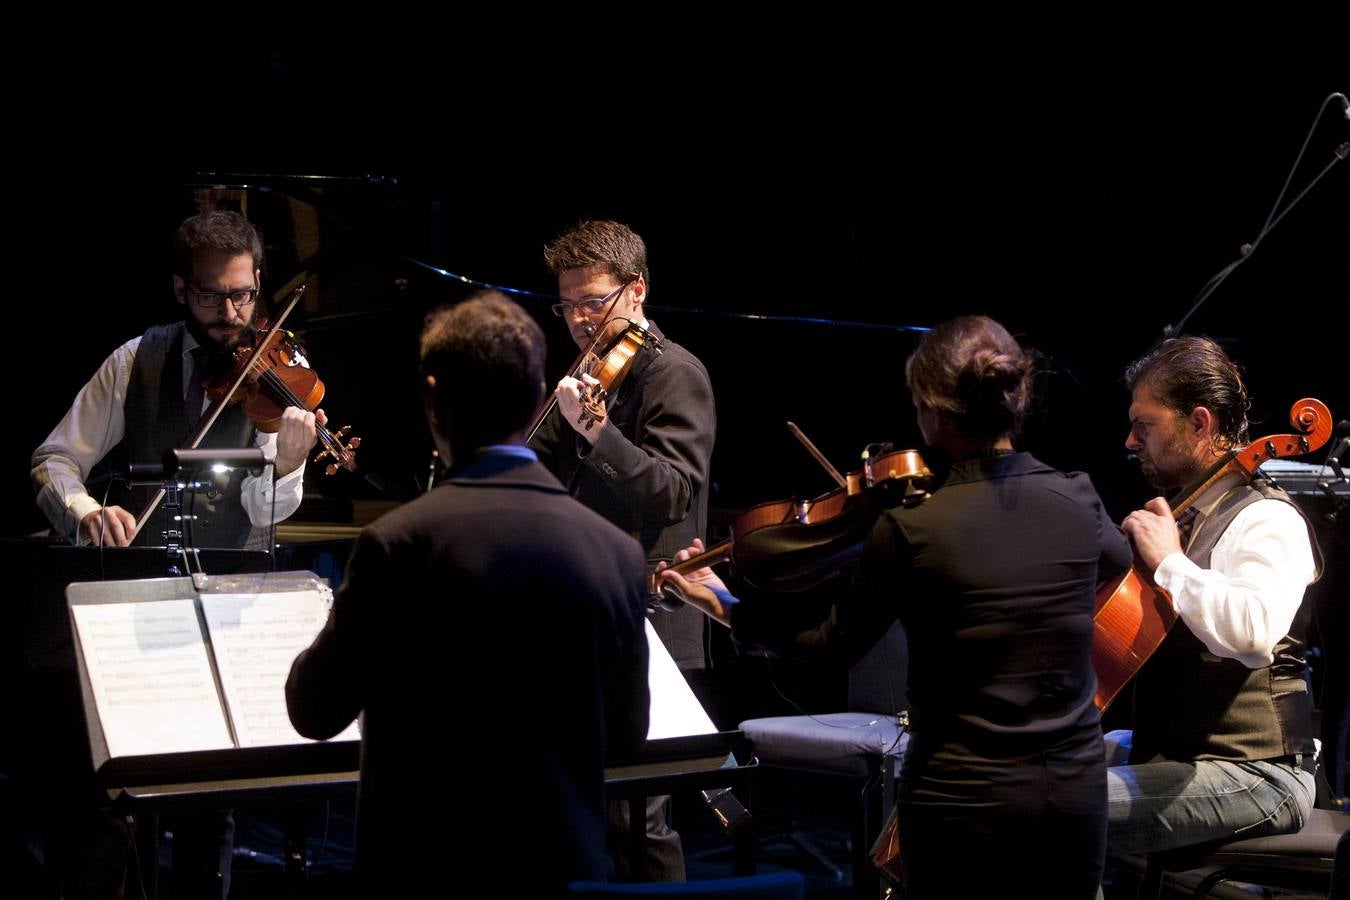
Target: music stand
151,783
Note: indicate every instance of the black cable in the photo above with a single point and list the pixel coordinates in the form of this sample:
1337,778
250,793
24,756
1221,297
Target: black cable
272,529
102,529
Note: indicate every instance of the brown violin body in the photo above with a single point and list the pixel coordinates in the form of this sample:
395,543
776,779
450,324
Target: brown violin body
269,379
1132,615
608,365
792,545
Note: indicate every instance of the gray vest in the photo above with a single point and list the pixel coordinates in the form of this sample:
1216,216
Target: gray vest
1190,704
156,421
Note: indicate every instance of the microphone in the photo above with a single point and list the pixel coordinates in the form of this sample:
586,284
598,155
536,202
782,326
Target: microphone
1345,104
589,328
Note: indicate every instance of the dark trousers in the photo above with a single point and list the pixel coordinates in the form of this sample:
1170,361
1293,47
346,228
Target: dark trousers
664,852
1033,827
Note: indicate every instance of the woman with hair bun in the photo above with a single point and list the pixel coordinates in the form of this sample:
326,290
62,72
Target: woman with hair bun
1003,788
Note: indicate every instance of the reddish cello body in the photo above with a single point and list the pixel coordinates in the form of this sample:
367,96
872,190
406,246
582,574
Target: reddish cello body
1132,614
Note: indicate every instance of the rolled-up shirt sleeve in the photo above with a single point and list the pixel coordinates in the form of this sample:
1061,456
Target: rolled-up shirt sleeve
1246,601
94,425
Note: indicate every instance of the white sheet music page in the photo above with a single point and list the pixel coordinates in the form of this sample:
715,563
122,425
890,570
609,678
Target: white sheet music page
675,711
256,638
150,677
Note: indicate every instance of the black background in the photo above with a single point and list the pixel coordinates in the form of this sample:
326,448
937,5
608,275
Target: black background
1077,179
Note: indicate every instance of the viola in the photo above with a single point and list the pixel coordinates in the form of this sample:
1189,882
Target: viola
1132,614
795,544
269,379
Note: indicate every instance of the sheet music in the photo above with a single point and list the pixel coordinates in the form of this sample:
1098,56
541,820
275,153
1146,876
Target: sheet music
675,711
256,638
150,677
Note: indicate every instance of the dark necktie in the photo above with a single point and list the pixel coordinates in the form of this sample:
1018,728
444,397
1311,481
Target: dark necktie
1186,525
196,394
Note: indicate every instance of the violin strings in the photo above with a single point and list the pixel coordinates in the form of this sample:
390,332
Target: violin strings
286,394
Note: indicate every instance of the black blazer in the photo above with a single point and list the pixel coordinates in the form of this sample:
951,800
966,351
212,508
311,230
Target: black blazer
492,633
648,472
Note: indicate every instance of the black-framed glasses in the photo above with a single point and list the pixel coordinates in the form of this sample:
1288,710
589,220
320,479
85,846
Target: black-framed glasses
588,307
211,299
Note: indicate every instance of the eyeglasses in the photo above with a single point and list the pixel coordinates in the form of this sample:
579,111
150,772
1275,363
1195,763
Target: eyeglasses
588,307
211,299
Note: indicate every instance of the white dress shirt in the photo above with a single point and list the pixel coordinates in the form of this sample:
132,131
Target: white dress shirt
96,423
1246,601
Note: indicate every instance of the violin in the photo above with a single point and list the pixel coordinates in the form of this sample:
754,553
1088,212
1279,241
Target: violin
271,367
609,365
269,379
1133,615
795,544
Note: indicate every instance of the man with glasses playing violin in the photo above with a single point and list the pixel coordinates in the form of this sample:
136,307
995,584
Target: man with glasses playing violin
640,455
146,398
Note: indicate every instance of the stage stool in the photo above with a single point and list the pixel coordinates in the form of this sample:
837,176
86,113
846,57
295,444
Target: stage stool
863,745
770,886
1301,861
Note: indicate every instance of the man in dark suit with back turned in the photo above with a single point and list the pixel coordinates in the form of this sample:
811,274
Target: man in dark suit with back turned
494,608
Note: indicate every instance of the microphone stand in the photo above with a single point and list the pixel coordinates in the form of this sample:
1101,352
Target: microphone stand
1247,249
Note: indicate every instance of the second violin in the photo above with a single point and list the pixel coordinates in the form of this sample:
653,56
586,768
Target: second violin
794,544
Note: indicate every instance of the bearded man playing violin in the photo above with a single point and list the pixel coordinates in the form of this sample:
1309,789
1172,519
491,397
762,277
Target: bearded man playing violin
145,399
1222,743
643,462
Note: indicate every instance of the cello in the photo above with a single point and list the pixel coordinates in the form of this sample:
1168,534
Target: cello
1132,615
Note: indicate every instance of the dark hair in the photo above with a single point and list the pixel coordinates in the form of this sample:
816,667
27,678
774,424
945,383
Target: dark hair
610,246
1192,371
971,369
487,356
217,229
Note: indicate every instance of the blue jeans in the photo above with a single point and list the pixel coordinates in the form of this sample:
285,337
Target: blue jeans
1159,806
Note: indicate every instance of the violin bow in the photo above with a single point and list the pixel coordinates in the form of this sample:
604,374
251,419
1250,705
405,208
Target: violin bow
815,452
215,409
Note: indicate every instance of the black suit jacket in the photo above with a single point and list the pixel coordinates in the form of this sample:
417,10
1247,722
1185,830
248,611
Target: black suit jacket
648,472
492,633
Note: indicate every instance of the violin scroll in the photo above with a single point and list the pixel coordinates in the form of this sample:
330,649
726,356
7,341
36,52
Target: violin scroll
1310,417
343,455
